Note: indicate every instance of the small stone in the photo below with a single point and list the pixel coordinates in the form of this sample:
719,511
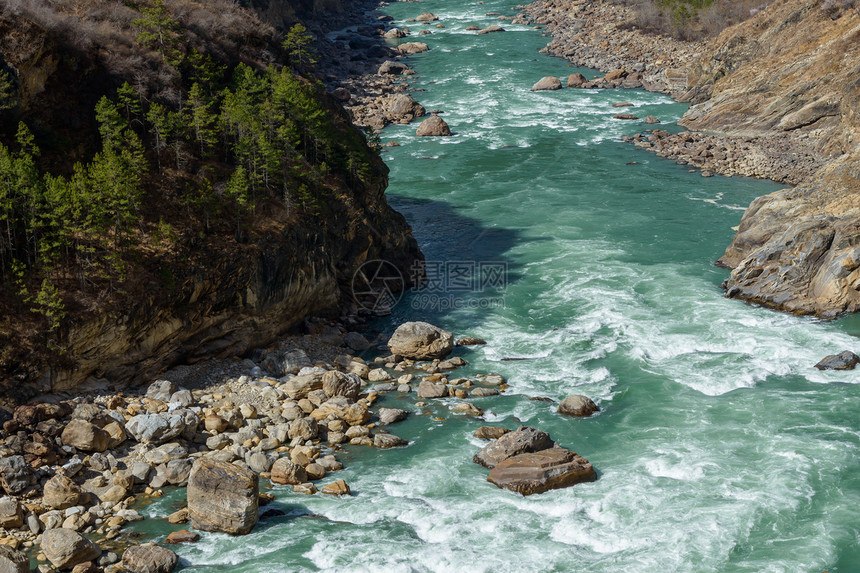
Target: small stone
11,513
490,432
470,341
314,471
625,116
338,488
182,536
306,488
180,516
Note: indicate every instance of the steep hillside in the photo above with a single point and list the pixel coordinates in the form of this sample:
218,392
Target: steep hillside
170,190
792,71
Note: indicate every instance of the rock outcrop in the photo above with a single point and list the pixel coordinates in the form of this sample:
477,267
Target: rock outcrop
791,71
541,471
222,497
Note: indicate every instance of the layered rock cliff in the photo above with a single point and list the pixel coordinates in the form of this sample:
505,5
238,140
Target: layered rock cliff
792,71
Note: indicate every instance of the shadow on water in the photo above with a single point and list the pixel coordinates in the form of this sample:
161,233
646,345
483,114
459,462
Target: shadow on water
467,264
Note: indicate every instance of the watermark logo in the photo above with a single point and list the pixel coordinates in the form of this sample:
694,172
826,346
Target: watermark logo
377,286
439,285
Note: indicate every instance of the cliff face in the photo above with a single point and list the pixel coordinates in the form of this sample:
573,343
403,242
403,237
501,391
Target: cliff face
792,71
208,294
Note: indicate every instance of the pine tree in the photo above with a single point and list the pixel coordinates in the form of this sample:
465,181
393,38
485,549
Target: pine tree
298,45
158,31
201,119
8,92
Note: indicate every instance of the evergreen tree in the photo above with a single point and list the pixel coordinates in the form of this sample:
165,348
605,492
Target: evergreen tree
158,31
297,44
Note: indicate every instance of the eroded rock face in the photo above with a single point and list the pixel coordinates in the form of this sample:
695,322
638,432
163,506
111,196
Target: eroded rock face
421,341
222,497
524,439
796,249
537,472
15,474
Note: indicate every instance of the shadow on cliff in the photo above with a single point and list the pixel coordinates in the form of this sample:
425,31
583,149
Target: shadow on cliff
467,266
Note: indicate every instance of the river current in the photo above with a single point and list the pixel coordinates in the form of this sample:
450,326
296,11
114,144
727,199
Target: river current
718,446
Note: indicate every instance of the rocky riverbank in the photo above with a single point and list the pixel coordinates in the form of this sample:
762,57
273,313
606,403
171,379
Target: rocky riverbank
775,97
73,467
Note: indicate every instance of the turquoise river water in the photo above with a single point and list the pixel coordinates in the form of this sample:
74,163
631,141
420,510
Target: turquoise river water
718,446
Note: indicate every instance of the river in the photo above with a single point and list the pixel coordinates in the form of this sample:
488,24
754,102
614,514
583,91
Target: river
718,446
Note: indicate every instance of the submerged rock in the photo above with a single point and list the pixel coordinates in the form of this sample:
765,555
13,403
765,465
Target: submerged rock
846,360
537,472
490,432
470,341
222,497
410,48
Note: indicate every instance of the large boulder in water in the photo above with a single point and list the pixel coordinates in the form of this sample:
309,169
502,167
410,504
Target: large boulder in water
410,48
846,360
433,126
222,497
525,439
547,83
578,406
537,472
392,68
421,340
576,80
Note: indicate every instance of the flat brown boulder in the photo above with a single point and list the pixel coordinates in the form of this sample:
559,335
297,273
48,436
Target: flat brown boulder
524,439
149,558
433,126
578,406
547,83
182,536
427,17
537,472
493,28
470,341
222,497
421,340
625,116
